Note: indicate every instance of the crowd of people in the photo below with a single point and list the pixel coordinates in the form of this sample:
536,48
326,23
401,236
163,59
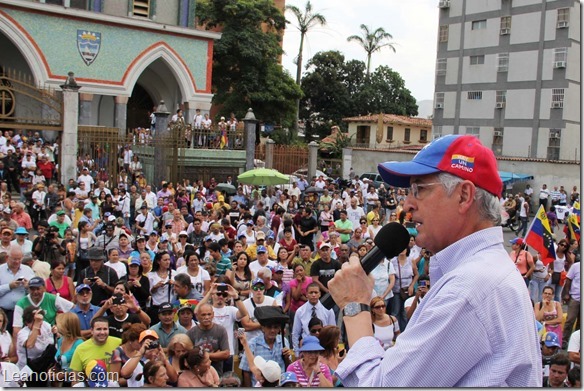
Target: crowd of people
112,282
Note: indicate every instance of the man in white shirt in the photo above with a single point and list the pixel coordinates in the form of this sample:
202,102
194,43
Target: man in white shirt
311,309
320,183
128,155
81,192
354,213
198,119
262,261
544,194
178,117
258,299
144,221
226,315
150,197
86,178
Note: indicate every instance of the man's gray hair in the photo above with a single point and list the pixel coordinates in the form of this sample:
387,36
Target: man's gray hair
488,204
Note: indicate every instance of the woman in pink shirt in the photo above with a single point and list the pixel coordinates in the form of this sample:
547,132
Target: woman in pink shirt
197,370
297,293
308,369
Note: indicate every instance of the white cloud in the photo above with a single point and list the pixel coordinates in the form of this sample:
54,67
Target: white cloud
413,24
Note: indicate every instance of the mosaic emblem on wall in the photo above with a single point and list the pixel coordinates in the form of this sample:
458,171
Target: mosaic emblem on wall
88,44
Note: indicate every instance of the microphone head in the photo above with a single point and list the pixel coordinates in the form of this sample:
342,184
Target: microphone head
392,239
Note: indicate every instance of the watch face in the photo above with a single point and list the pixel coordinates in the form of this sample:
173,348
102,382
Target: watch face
353,309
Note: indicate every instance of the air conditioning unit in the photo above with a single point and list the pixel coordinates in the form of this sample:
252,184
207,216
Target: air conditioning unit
444,4
563,24
439,105
505,31
557,105
499,105
498,133
554,136
559,64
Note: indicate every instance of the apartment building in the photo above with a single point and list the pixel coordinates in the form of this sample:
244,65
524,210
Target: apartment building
508,72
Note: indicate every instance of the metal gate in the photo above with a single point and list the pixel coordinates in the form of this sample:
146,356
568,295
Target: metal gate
161,156
26,106
286,159
104,146
99,148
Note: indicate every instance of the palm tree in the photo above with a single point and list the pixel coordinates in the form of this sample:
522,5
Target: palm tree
306,21
372,41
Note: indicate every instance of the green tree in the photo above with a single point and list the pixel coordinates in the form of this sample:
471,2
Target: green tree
372,42
246,72
326,96
385,92
334,89
305,22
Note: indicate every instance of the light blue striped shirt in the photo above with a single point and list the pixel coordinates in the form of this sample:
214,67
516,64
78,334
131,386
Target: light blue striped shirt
474,328
9,297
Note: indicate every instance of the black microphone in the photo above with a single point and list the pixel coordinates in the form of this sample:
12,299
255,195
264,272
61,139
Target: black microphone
390,241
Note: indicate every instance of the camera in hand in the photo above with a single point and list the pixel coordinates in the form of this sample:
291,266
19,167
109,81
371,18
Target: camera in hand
221,288
118,299
422,283
92,279
154,345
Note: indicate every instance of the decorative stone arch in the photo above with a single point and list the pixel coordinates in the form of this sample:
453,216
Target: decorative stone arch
161,50
27,46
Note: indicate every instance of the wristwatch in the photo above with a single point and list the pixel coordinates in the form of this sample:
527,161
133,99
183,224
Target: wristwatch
353,308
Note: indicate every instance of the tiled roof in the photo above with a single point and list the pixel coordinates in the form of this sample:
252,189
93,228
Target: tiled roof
391,119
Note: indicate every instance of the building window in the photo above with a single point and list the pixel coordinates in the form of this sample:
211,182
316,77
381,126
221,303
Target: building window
479,24
141,8
498,142
553,152
474,95
423,135
560,54
389,133
501,96
477,60
473,130
407,134
505,25
557,98
502,62
443,33
436,132
563,17
441,67
439,100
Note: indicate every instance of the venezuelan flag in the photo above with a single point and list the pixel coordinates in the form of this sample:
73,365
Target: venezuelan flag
223,140
540,237
574,222
177,304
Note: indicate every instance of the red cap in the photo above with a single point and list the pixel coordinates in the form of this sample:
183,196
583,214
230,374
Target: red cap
461,155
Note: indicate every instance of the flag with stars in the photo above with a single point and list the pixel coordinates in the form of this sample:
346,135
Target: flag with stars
540,237
96,374
574,222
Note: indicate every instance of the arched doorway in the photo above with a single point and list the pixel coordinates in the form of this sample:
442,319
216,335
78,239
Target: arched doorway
157,82
139,106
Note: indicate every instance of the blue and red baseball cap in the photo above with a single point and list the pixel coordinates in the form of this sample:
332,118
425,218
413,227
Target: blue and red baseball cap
461,155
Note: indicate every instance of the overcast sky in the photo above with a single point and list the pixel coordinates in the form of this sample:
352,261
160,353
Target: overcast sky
412,23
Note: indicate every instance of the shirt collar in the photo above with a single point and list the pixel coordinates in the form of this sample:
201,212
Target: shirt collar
454,255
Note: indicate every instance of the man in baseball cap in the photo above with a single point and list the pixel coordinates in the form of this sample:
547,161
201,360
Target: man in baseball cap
166,328
453,198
